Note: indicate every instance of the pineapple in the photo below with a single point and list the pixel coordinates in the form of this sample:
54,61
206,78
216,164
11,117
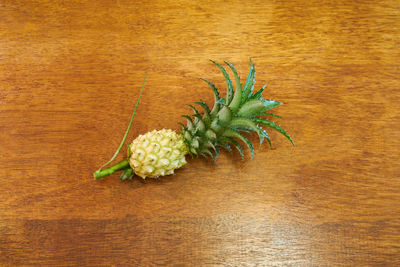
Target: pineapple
159,153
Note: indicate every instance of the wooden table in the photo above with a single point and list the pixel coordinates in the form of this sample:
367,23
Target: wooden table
71,71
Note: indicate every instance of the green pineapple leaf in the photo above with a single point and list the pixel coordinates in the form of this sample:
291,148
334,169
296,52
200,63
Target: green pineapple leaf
193,151
187,136
127,174
266,114
194,109
190,125
224,115
226,146
246,123
257,95
206,153
216,126
265,135
273,126
204,106
243,129
183,126
249,85
256,106
216,106
206,116
206,156
196,118
207,119
229,93
216,151
209,145
200,126
221,101
234,134
270,104
237,97
235,143
195,142
211,135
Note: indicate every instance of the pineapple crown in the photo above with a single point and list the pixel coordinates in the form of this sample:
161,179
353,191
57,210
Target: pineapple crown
241,111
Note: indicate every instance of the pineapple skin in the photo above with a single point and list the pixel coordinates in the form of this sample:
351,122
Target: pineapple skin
157,153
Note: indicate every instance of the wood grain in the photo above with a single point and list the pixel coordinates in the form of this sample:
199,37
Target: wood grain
70,72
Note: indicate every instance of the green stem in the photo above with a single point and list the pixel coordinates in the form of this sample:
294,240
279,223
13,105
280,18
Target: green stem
129,126
124,164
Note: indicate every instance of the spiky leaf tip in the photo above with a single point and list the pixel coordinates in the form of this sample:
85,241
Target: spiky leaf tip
226,146
249,85
194,109
204,106
274,126
255,106
234,134
229,93
267,114
265,135
248,124
189,124
237,97
235,144
217,103
258,94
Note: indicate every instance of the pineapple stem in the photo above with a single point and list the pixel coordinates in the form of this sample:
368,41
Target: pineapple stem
122,165
125,135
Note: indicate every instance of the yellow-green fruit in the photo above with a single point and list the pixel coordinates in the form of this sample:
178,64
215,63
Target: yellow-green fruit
157,153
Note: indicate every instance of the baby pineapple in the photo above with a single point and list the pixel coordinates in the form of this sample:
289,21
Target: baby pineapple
159,153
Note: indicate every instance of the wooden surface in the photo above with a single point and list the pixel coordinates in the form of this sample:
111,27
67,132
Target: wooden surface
70,73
